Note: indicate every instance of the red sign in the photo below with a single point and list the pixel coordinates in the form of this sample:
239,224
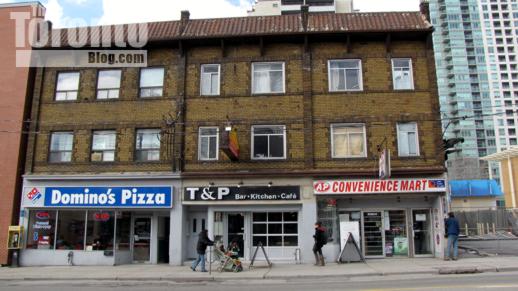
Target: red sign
101,216
379,186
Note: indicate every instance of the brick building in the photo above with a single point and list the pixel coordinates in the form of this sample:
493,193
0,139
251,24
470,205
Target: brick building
259,125
15,93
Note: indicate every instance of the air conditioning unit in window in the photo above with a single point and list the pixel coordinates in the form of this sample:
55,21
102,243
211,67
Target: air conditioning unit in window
97,157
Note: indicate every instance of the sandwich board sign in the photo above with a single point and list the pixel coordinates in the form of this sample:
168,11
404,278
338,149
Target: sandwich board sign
349,242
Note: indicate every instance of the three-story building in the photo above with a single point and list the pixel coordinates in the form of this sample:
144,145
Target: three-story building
253,128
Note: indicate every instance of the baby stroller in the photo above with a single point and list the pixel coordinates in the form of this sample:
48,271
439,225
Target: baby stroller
226,262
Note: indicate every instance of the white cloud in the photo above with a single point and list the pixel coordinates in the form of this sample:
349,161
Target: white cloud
124,11
386,5
55,13
77,2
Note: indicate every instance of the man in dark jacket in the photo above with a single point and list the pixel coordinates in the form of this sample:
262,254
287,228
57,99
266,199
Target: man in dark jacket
201,248
320,241
452,231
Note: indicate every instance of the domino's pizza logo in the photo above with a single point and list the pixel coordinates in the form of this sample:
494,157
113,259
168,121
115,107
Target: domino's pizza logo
34,195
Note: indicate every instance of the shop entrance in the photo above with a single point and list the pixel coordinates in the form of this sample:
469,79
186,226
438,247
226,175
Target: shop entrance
163,239
373,234
422,229
236,231
142,239
197,223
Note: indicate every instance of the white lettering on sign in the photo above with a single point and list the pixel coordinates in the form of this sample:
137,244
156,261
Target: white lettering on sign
379,186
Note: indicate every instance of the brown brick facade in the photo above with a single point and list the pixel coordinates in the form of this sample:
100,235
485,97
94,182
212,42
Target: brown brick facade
307,109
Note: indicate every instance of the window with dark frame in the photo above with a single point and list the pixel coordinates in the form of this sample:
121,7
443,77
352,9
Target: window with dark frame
108,84
151,82
61,145
148,145
268,142
67,86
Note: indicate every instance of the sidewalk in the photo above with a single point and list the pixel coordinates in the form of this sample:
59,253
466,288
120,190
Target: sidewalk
381,267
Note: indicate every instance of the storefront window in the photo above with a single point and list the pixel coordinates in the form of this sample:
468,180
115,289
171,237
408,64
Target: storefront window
396,240
327,214
41,230
123,231
99,232
71,230
275,229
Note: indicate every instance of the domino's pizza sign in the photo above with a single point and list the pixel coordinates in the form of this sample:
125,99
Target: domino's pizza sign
99,197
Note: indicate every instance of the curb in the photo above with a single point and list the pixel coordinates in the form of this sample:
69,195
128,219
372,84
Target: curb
440,271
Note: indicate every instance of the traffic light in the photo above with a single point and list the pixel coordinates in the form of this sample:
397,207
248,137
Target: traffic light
449,146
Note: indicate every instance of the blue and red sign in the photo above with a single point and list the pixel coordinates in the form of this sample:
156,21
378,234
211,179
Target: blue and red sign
34,195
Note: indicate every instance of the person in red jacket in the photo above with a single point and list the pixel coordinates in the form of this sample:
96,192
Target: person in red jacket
320,240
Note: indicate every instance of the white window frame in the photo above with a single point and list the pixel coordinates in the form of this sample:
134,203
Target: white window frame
253,141
283,78
202,74
76,91
108,90
103,151
360,77
418,153
333,140
208,136
283,233
411,68
71,151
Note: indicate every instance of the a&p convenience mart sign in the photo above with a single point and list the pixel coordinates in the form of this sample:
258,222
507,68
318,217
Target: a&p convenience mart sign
422,185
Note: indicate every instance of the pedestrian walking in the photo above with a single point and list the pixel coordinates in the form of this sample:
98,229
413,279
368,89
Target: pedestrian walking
320,240
452,232
201,248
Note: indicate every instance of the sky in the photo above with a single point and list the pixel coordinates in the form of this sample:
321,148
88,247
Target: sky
70,13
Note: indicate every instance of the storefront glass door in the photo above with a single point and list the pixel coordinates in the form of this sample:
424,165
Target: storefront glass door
236,231
373,234
141,239
422,232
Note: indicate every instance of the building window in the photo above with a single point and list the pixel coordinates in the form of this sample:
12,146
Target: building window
345,75
103,146
402,74
61,144
108,84
408,144
348,141
275,229
210,79
71,230
268,78
99,230
268,142
208,143
41,230
148,145
67,86
151,82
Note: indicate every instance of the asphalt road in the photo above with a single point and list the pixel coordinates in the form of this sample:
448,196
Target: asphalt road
488,281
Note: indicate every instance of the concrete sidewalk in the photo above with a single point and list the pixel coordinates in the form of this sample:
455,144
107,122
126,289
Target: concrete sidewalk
381,267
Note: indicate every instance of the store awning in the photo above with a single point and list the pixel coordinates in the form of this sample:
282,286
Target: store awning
474,188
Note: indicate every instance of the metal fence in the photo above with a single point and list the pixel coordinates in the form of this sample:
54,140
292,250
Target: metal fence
488,231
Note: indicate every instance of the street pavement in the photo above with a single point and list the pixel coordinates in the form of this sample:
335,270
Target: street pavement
486,281
371,268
